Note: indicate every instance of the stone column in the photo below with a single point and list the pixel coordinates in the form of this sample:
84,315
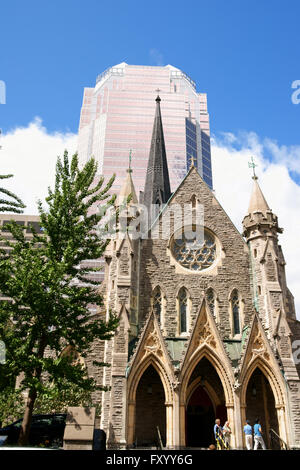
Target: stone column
169,425
231,419
240,420
176,421
182,425
130,423
281,422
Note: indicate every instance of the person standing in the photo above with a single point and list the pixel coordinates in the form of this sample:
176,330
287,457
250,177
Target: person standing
227,434
258,439
248,435
218,434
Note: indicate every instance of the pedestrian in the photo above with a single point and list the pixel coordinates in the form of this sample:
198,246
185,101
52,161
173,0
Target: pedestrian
218,434
258,439
227,433
248,435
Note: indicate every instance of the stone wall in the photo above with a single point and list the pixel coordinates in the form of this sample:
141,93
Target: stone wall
233,270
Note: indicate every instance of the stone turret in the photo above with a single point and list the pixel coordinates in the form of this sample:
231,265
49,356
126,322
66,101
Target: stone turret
272,296
274,301
121,286
260,221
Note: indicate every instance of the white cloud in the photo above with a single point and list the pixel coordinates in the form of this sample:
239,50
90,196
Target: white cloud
233,185
157,57
30,154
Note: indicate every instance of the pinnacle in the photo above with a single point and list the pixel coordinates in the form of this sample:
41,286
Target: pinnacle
157,184
127,189
258,202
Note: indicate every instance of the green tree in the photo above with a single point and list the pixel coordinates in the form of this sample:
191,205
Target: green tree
58,398
11,405
50,287
10,205
54,399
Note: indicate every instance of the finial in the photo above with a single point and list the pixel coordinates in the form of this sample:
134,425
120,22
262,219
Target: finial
253,165
193,161
130,158
158,97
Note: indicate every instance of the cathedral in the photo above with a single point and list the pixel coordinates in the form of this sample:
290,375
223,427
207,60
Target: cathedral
207,329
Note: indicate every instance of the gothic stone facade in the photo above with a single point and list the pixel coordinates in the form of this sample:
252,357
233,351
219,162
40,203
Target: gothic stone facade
230,356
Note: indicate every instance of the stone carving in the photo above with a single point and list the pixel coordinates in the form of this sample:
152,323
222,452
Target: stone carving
175,384
236,385
152,344
205,334
258,347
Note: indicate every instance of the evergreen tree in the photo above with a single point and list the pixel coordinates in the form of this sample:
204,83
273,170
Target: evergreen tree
50,289
7,205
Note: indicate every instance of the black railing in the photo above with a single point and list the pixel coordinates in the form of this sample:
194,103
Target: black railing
276,441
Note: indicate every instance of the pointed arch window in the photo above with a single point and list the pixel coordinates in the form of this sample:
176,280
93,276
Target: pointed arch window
183,310
211,301
235,307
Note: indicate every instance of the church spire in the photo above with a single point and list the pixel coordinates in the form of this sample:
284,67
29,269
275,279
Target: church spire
127,188
157,185
260,220
258,202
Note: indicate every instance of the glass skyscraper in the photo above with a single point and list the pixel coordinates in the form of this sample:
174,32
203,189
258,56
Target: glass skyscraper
117,116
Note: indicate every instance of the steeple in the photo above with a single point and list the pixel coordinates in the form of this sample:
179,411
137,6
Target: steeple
257,201
127,209
260,220
271,295
157,185
126,190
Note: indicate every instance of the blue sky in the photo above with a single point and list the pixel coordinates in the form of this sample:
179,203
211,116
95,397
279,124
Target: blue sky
243,54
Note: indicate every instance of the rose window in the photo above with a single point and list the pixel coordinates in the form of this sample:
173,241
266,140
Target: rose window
194,253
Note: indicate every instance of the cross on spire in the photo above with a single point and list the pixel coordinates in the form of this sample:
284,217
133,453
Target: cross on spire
253,165
130,158
193,161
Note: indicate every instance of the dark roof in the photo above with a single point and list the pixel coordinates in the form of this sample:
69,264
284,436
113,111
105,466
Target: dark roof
157,185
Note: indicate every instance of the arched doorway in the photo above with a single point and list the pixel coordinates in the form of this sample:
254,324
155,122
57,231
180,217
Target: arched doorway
260,403
200,417
205,401
150,410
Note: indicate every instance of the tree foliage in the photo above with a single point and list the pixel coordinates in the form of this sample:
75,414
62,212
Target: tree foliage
14,204
54,400
11,405
49,289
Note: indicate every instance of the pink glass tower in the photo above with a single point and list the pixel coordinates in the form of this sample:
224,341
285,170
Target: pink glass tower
117,115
